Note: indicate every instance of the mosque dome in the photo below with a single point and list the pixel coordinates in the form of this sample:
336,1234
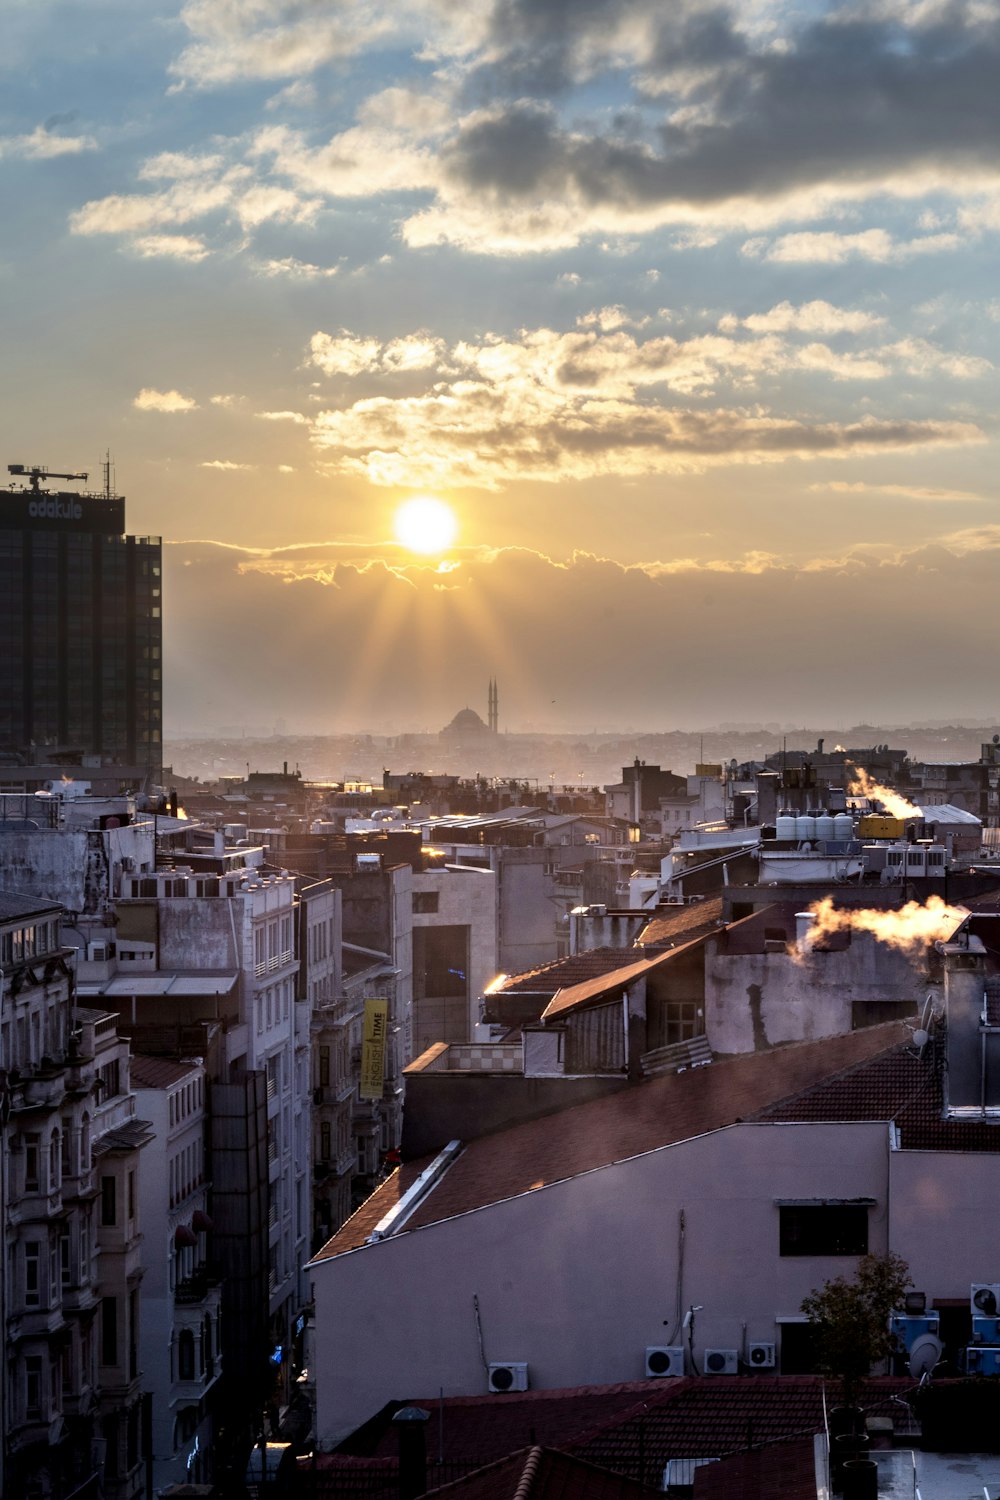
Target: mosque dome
466,723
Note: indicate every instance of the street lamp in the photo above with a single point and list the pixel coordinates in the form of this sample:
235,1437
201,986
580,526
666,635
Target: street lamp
634,833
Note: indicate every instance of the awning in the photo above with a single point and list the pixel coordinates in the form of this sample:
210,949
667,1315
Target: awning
184,1236
200,1221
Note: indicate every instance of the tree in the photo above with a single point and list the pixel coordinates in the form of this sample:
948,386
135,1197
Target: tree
851,1318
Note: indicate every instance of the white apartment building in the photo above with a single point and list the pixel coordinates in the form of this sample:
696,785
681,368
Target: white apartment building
180,1348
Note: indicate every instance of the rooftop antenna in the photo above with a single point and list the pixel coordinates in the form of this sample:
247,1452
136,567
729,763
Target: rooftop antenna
106,466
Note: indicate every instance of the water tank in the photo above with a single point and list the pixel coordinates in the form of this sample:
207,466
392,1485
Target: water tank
805,826
843,826
785,826
825,826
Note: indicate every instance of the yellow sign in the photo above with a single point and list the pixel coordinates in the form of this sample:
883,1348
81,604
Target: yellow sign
373,1049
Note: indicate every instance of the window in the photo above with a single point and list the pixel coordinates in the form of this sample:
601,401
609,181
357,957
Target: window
33,1385
425,902
682,1020
324,1141
109,1330
324,1068
33,1274
824,1228
32,1163
108,1200
65,1266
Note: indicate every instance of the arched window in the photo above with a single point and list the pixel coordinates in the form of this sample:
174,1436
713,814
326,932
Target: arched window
185,1355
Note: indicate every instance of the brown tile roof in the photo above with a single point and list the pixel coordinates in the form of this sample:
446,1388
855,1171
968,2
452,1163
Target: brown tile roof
687,922
783,1471
574,969
479,1429
574,996
630,1429
900,1085
716,1416
157,1072
655,1112
543,1474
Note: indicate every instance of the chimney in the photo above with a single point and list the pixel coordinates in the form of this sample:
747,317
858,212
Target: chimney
410,1422
805,921
964,1000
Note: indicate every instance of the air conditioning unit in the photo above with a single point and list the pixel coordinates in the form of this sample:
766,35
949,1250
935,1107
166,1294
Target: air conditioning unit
667,1360
760,1356
985,1298
985,1330
720,1361
97,953
907,1329
508,1376
982,1361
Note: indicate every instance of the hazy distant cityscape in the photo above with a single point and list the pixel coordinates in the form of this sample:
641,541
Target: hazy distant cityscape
591,759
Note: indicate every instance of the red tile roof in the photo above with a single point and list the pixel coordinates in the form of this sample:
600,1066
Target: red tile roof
716,1416
630,1429
783,1471
652,1113
158,1072
479,1429
574,969
575,996
687,922
901,1085
543,1474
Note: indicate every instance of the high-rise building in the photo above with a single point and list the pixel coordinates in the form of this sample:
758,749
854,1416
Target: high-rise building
80,636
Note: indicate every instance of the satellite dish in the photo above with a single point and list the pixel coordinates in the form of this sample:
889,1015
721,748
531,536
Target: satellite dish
984,1298
925,1354
920,1038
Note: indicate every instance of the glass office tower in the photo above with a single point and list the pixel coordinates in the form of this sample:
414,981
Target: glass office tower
80,633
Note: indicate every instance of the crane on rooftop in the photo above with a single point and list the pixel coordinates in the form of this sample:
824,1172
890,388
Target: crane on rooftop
35,473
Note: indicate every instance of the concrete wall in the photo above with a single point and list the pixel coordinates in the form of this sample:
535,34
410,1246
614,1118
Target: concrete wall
756,1000
578,1277
442,1107
466,898
943,1218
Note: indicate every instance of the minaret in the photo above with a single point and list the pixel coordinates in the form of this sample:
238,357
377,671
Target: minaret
492,713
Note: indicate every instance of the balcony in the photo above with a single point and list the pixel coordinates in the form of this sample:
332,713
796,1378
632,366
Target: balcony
203,1285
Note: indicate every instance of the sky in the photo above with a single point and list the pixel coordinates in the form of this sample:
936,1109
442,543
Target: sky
686,313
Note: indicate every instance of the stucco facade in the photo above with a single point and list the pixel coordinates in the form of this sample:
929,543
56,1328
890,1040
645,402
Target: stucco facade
576,1279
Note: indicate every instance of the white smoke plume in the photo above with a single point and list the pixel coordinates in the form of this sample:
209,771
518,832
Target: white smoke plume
863,785
909,929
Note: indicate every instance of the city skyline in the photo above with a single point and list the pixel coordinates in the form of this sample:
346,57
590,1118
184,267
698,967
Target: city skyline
689,323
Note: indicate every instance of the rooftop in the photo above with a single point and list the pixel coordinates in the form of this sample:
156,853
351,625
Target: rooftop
643,1117
158,1072
667,927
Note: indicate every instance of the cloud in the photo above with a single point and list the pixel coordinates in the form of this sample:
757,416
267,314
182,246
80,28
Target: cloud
294,417
173,246
920,493
829,247
809,317
289,266
42,144
163,401
225,464
607,319
547,405
345,354
200,186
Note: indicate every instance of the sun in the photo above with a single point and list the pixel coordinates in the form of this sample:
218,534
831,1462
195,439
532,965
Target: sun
425,525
